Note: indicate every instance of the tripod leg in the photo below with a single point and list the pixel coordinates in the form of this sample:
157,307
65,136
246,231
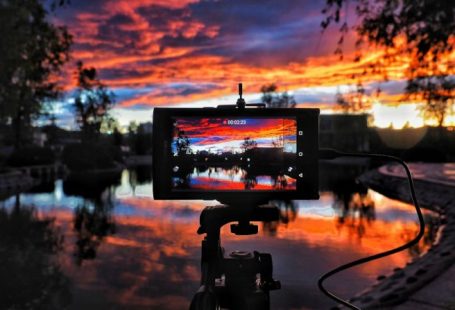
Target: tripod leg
204,300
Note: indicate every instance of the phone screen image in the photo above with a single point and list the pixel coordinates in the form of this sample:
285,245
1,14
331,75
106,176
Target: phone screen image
234,154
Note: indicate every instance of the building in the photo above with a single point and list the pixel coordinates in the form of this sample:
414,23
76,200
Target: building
345,132
146,127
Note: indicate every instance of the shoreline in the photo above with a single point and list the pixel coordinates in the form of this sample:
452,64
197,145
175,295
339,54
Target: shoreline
397,287
14,181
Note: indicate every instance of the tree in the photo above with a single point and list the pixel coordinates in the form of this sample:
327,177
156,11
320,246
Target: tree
353,101
182,143
132,127
111,126
92,102
32,51
422,31
278,142
248,144
274,100
118,137
437,92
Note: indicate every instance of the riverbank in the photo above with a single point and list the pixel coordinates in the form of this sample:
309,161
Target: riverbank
406,285
14,181
138,160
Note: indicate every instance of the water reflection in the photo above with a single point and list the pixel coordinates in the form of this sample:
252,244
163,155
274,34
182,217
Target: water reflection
134,252
30,276
93,218
354,208
203,177
92,225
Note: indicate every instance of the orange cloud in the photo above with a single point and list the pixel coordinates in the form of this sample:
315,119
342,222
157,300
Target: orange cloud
133,47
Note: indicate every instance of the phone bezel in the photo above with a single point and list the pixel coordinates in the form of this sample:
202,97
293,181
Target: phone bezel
307,143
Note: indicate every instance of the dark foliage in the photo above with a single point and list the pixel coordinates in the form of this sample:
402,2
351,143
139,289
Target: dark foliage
32,50
31,156
274,100
422,31
92,103
90,156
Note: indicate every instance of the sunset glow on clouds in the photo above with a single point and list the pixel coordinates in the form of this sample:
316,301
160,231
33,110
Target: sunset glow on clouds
194,52
217,135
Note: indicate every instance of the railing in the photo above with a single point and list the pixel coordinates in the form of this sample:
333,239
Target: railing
44,171
14,181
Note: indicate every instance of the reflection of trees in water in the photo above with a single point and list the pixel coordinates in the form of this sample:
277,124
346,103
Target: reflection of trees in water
201,169
288,214
356,211
353,205
29,275
182,175
141,174
431,229
249,181
279,182
93,221
138,175
233,172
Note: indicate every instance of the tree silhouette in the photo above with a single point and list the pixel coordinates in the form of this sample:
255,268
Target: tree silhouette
274,100
352,101
437,92
182,143
92,102
248,144
32,51
422,31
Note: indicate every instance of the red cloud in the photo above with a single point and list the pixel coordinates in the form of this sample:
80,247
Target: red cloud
137,46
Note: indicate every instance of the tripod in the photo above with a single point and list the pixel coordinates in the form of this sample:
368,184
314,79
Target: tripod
240,280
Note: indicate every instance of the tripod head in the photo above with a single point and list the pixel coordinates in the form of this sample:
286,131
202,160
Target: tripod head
239,280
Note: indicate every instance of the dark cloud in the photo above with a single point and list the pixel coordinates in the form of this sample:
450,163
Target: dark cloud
263,32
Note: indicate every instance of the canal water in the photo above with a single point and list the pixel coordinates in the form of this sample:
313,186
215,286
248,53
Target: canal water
113,247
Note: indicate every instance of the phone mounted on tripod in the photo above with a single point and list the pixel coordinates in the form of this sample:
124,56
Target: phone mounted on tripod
252,154
242,155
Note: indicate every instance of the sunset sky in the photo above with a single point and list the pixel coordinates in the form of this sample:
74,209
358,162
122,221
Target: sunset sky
194,52
217,135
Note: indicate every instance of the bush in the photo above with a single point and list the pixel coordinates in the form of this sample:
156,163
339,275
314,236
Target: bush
90,156
31,156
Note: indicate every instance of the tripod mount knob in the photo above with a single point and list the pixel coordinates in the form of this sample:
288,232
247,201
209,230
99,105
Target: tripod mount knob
244,228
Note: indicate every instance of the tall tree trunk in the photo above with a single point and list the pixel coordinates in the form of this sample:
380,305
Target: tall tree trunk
17,124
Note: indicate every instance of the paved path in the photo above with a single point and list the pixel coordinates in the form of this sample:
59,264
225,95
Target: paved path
439,294
433,173
427,283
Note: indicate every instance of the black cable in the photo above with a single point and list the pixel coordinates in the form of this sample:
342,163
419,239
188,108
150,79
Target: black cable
332,154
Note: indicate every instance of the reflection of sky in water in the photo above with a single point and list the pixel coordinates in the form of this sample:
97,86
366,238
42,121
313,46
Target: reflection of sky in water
217,178
47,201
152,259
235,174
